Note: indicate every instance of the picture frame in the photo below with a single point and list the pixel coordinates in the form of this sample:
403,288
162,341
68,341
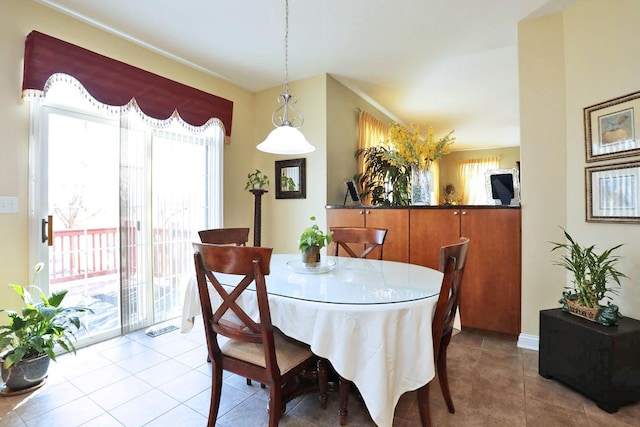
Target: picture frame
611,128
613,193
291,180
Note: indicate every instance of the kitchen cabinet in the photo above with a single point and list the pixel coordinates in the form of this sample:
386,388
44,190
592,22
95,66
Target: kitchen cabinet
491,292
490,298
396,221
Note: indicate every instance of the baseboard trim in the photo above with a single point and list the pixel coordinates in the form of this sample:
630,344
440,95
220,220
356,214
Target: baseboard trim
529,342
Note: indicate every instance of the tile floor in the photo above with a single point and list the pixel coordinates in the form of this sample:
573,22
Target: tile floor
136,380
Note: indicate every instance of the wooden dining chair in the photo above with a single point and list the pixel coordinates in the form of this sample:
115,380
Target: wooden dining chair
255,349
225,236
357,242
452,261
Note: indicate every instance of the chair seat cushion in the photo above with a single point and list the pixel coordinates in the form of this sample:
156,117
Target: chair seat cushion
289,353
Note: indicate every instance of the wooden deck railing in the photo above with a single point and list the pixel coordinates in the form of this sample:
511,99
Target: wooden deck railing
79,254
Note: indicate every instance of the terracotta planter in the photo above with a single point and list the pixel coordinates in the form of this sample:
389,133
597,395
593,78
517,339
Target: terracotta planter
27,373
311,256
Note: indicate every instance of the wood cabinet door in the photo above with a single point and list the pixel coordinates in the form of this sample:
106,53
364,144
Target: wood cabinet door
396,221
490,297
429,229
344,218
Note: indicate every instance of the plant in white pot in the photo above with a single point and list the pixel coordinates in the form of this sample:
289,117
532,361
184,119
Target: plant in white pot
311,241
29,341
592,272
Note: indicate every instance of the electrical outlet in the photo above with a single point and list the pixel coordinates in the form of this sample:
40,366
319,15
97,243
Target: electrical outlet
8,204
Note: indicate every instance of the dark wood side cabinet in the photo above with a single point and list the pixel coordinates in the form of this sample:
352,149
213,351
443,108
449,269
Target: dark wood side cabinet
601,362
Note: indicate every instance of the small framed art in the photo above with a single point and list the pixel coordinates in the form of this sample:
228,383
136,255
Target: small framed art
613,193
611,128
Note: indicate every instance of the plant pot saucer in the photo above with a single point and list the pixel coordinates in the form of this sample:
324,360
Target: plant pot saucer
4,391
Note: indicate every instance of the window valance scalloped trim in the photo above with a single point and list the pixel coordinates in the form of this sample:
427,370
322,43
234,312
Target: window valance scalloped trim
116,83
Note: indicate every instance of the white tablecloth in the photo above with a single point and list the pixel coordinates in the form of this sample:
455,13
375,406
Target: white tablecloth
386,349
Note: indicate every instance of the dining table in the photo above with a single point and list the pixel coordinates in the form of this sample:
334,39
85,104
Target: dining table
370,318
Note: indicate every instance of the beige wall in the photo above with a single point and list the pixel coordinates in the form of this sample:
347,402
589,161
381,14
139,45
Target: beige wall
449,163
568,61
342,136
17,19
284,219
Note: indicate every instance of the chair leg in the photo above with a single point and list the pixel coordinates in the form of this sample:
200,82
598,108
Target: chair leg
343,393
275,405
323,382
216,394
423,406
444,380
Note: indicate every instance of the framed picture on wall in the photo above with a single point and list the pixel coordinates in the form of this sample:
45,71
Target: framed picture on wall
611,128
291,179
613,193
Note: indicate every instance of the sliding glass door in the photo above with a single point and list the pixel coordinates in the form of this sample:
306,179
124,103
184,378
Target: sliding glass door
117,204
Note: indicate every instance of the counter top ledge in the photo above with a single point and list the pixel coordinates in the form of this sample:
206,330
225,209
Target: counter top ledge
425,207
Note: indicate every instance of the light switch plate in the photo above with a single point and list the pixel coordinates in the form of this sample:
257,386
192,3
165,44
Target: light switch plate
8,204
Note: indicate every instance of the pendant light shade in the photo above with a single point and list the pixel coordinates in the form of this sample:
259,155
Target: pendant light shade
286,138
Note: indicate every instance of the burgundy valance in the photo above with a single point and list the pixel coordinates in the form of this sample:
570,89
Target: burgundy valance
115,83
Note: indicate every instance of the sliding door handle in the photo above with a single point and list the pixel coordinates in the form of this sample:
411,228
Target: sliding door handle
47,230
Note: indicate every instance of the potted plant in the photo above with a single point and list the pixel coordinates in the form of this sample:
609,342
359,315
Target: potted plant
592,272
256,180
311,241
28,342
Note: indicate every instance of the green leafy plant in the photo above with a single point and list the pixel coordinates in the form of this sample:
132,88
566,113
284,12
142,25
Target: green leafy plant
288,184
592,271
313,236
256,180
40,327
386,182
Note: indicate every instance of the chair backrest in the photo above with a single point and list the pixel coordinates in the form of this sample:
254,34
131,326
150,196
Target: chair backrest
225,236
452,261
350,238
251,264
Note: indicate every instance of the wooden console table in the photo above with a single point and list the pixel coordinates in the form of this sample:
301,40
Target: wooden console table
601,362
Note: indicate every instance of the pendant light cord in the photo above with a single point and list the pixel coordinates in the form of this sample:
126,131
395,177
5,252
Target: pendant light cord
286,47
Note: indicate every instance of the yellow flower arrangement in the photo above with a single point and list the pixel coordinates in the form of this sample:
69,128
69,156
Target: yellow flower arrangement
408,147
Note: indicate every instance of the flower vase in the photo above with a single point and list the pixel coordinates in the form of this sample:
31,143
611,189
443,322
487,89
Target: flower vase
420,186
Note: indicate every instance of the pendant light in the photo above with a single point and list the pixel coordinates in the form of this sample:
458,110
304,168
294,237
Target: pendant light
286,138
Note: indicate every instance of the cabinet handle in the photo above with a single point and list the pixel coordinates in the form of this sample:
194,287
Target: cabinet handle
455,212
360,212
464,212
367,212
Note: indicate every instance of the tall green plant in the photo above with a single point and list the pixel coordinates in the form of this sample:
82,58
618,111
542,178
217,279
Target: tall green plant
591,271
386,182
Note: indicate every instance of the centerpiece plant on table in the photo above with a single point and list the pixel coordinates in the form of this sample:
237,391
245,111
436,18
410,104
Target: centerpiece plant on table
31,337
593,273
311,241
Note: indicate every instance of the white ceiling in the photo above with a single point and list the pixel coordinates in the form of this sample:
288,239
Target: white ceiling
451,63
